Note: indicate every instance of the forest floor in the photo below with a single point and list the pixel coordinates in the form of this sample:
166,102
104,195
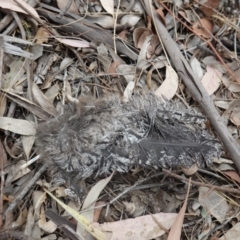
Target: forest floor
54,52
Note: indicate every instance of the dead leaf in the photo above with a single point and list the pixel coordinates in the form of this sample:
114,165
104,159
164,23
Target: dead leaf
176,229
16,72
211,61
3,156
230,85
214,203
196,67
105,21
232,233
46,226
41,36
14,173
52,93
73,7
129,20
170,85
190,171
123,34
233,175
108,5
11,5
90,201
139,36
203,28
140,228
233,112
211,80
3,103
112,69
43,101
142,61
128,91
74,43
82,220
27,142
19,126
128,71
208,6
30,106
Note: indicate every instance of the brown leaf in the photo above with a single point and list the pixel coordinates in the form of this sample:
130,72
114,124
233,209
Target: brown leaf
41,36
203,28
62,5
175,232
208,6
233,175
211,80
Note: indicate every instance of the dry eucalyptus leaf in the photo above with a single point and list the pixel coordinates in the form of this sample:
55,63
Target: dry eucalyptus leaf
130,20
139,36
142,61
3,103
208,7
14,173
39,197
211,80
190,171
41,36
16,72
46,226
175,232
12,6
232,233
90,201
74,42
52,92
105,21
170,85
233,112
231,86
214,203
203,27
19,126
214,63
108,5
196,66
43,101
128,91
128,71
27,142
233,175
30,222
73,7
222,104
140,228
30,106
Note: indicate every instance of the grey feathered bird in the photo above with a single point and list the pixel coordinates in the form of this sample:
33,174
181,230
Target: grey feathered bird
108,135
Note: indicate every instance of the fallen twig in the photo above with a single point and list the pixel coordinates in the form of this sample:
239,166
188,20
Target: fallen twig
212,187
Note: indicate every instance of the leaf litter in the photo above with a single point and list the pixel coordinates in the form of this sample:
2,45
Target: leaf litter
105,48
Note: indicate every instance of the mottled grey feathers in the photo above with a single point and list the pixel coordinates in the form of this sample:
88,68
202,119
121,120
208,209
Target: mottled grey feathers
109,135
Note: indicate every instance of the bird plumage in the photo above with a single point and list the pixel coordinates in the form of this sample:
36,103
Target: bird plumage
108,135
